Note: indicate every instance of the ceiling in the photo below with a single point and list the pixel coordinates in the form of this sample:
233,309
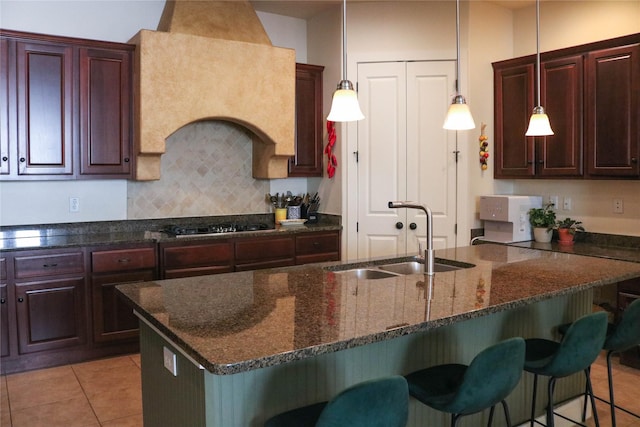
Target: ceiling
305,9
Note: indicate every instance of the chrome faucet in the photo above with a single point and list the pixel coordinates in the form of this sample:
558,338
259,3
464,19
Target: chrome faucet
429,257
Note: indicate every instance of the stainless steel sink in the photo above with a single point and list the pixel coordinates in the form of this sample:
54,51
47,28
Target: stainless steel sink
367,273
414,267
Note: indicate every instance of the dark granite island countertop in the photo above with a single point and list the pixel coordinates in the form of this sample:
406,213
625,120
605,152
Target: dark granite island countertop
237,322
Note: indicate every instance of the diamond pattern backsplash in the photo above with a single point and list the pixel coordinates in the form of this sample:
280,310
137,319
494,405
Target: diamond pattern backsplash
206,170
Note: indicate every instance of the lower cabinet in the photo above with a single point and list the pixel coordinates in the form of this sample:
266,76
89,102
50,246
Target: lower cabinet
4,321
264,252
113,319
628,292
195,258
50,314
318,247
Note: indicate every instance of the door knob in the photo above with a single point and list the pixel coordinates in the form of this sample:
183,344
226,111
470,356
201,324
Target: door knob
413,226
399,225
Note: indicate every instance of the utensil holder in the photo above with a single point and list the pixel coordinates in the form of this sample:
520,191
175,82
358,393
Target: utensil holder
293,212
280,214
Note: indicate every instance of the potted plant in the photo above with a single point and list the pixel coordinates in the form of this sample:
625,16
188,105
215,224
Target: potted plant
543,221
567,228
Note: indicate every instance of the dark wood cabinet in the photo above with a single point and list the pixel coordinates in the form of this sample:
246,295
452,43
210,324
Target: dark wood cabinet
195,258
628,291
105,112
67,104
113,318
514,99
318,247
309,122
591,94
5,328
44,83
264,252
4,106
613,112
50,299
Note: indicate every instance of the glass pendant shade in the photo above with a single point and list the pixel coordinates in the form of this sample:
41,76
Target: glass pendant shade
539,123
459,116
345,106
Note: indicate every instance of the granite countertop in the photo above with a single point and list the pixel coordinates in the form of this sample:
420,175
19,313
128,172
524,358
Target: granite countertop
52,236
236,322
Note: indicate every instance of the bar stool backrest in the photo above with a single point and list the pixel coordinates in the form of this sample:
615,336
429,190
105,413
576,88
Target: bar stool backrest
580,346
626,334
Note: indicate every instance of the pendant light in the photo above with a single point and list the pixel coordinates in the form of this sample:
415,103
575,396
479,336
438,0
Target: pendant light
458,117
539,123
345,107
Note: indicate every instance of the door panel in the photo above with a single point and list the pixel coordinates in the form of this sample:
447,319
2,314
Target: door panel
381,158
404,154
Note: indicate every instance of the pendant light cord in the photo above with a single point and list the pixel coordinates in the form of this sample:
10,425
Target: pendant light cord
538,49
457,47
344,40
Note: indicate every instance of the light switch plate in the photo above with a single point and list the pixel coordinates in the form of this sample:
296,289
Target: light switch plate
170,361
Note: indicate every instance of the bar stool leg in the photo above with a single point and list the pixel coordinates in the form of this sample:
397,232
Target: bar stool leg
593,400
490,423
550,388
610,378
506,413
533,399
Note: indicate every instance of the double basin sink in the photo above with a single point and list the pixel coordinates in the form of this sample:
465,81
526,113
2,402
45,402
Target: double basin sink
395,268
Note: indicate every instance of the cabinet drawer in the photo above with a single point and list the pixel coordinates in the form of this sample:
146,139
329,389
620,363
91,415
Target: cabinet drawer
123,260
197,255
34,265
250,250
3,269
317,243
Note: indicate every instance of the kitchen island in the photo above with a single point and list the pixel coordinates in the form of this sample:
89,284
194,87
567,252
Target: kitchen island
248,345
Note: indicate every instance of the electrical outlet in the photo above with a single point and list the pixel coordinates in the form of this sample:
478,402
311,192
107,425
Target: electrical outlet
618,206
74,204
170,361
554,200
566,204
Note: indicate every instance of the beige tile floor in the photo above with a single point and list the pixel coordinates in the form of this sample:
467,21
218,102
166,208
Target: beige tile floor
107,393
104,393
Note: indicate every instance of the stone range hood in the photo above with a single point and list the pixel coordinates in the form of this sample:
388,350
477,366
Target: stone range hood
212,60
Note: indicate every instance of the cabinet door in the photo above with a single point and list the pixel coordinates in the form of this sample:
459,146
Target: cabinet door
309,123
613,112
560,154
105,112
5,68
50,314
514,98
45,108
113,318
4,321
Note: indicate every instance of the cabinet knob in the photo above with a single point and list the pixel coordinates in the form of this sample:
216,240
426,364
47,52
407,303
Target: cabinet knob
399,225
634,160
49,265
530,162
22,160
5,158
124,260
413,226
20,299
541,162
126,160
2,300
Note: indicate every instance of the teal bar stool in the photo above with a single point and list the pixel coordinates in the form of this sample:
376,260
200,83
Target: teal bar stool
464,390
575,353
382,402
622,336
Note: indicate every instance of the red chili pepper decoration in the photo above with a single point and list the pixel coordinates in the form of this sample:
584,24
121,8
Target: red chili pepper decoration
332,161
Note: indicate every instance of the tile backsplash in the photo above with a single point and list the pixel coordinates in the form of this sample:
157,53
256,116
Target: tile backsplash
206,170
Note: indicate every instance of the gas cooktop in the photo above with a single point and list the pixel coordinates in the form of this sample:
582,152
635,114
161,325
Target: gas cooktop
210,229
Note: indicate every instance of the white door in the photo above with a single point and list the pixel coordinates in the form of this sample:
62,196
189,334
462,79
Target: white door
404,154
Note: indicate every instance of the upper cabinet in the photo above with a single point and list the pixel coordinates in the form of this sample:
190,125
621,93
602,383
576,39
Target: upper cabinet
309,122
591,94
66,108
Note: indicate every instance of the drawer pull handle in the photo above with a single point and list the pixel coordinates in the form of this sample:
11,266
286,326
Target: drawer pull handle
20,299
124,260
50,265
316,244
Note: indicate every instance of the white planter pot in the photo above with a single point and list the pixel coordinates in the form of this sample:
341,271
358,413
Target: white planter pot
542,235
